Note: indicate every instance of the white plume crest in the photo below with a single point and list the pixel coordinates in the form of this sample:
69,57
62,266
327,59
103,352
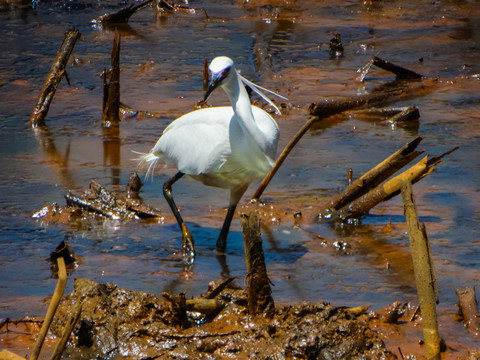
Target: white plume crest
258,89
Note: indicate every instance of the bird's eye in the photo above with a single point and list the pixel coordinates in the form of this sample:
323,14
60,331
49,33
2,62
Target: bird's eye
224,73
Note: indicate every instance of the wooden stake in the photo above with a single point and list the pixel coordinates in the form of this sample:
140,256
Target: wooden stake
111,91
467,303
57,71
424,273
260,300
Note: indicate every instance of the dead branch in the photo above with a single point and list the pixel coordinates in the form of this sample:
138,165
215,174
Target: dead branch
406,114
468,307
57,71
70,325
375,176
360,206
424,273
111,90
99,200
179,307
260,300
399,71
205,306
121,16
212,294
164,7
25,320
52,308
328,107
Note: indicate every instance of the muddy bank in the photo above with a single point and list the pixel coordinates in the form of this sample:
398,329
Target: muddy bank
119,323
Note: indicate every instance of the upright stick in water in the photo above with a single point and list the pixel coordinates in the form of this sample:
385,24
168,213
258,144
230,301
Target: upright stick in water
226,146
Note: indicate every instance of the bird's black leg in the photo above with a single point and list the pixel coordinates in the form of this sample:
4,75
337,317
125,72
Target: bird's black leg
235,196
188,243
222,238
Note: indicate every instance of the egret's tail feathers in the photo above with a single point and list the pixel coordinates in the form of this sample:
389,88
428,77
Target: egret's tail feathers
258,89
147,161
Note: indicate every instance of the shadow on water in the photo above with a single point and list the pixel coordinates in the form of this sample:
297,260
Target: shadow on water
280,46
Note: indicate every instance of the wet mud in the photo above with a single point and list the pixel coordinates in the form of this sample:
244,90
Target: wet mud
118,323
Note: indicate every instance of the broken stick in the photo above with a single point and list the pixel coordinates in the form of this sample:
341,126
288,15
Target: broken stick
111,90
375,176
260,299
424,273
467,303
52,308
57,71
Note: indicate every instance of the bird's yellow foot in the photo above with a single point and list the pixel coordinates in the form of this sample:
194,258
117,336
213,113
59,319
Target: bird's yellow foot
188,246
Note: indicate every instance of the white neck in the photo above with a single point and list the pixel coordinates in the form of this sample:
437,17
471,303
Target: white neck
242,108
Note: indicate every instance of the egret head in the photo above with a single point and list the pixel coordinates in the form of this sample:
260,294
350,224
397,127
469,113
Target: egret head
220,68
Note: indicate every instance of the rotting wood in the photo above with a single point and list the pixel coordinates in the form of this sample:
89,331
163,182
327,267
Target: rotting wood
259,292
399,71
204,306
360,206
375,176
111,89
70,325
101,201
363,204
164,7
57,295
328,107
406,114
25,320
357,310
218,289
57,72
424,273
179,307
468,307
121,16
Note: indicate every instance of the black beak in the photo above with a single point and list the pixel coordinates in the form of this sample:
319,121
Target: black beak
215,82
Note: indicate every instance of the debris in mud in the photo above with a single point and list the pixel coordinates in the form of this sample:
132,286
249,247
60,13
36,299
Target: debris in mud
468,308
135,325
121,16
98,201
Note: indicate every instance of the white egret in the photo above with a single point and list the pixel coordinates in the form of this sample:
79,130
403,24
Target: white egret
226,147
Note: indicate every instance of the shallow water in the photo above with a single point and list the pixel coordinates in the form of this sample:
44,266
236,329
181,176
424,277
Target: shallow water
281,45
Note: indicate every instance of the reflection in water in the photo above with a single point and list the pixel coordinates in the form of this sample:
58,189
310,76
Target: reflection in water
58,162
222,261
111,150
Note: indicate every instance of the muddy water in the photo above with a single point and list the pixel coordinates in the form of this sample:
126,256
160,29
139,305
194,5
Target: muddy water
281,45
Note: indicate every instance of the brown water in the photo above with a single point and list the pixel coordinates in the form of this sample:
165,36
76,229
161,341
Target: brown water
281,45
